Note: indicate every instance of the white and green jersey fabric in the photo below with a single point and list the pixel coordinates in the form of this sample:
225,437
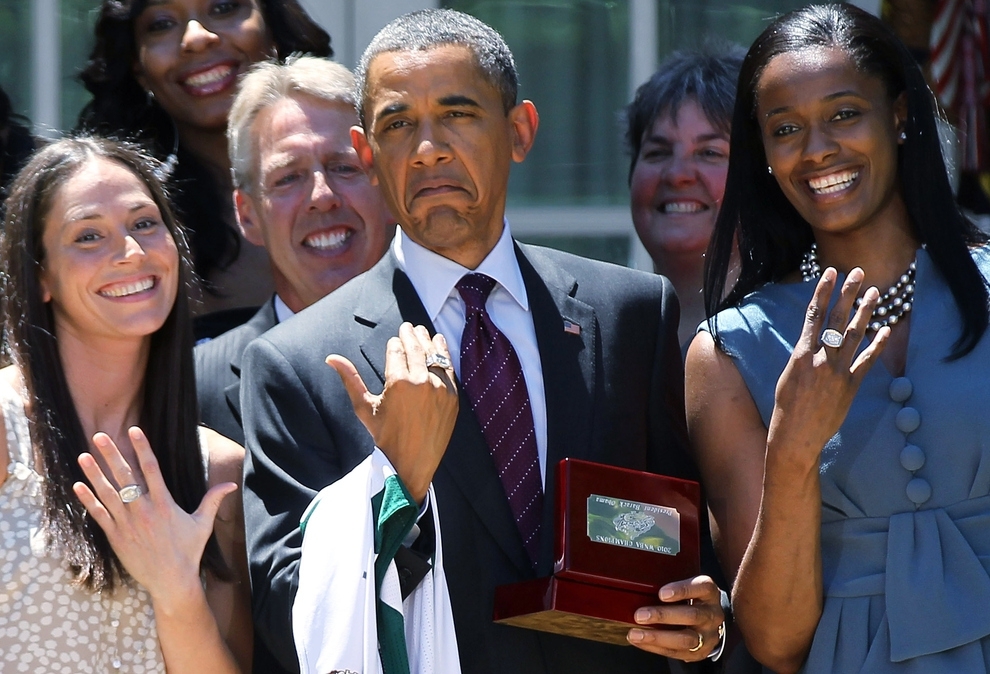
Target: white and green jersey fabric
348,614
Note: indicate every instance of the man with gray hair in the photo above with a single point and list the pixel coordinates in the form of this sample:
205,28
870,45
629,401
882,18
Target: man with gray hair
299,191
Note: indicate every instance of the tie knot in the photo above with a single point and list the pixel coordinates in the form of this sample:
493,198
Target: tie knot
475,289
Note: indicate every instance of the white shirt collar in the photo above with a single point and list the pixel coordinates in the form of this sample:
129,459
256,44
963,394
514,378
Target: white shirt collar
282,310
434,276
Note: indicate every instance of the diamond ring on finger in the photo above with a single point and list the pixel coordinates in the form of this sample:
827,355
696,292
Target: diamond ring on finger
437,359
832,338
130,493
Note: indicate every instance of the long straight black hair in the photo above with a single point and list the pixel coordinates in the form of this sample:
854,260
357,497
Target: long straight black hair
773,236
169,414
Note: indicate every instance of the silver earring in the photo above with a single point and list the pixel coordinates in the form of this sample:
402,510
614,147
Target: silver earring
770,170
903,136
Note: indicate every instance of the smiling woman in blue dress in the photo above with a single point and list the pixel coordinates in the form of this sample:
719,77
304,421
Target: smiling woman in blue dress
103,525
842,430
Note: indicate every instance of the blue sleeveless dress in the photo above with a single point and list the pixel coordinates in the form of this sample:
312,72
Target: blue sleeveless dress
905,487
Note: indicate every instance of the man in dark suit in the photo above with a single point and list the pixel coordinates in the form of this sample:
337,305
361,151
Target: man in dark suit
302,194
595,348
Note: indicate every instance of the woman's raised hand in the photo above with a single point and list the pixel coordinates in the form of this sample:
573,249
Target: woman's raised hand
159,543
821,378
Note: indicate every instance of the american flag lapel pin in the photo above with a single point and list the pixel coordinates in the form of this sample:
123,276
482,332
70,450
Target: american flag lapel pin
571,328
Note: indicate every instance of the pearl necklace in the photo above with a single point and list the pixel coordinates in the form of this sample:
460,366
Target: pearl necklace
893,305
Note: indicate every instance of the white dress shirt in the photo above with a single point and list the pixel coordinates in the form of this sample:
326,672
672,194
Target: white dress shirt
282,310
434,277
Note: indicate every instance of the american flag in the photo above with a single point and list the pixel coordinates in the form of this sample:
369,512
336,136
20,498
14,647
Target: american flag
960,63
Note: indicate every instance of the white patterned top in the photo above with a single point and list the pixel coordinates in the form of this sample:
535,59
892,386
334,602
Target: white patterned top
48,624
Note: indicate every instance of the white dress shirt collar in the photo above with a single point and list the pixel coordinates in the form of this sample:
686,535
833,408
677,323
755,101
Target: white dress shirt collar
434,276
282,310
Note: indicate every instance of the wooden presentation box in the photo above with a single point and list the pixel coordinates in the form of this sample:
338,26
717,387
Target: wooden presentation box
619,536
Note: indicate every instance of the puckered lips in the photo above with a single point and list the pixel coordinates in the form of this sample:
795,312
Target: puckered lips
833,183
329,239
210,79
435,187
129,290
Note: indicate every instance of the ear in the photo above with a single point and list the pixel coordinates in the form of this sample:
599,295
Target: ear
46,293
139,75
900,114
359,139
525,120
247,217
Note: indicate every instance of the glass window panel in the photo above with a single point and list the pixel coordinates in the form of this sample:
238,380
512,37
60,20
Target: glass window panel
78,18
684,24
573,63
15,65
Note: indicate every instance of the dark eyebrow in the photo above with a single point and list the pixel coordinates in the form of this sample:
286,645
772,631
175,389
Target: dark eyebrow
458,100
830,97
393,109
704,138
96,215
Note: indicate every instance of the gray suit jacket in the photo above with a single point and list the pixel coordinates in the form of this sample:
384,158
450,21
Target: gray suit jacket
218,373
614,394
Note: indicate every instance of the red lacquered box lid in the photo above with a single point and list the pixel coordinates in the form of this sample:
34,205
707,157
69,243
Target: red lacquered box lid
625,528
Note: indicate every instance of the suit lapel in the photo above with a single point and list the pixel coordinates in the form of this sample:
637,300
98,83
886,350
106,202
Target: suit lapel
568,358
262,321
388,299
568,363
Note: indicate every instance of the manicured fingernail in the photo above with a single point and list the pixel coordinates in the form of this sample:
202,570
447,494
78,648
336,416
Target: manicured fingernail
642,615
636,636
666,593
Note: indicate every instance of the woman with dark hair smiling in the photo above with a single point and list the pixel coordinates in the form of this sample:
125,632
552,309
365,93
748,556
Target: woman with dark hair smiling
843,437
165,72
119,550
677,133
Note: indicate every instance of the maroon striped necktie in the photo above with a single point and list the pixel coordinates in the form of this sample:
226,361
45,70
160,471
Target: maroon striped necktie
492,379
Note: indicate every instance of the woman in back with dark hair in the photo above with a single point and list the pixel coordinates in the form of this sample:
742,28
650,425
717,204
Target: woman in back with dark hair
677,133
165,73
119,549
16,143
843,437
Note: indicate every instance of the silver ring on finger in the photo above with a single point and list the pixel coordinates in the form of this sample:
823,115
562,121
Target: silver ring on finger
701,644
130,493
437,359
831,338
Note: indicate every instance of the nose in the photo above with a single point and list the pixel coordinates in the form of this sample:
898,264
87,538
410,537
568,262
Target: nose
323,197
819,144
197,37
680,170
130,251
431,148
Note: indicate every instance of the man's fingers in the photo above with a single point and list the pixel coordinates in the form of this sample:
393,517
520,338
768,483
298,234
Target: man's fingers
415,342
698,587
446,374
363,401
